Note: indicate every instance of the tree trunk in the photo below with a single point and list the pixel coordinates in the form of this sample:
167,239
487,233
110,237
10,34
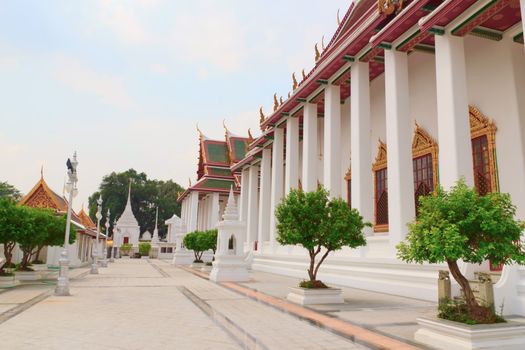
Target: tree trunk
320,262
311,273
37,253
8,252
477,312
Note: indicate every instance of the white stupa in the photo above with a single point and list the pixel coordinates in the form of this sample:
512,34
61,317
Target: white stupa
155,238
128,229
146,236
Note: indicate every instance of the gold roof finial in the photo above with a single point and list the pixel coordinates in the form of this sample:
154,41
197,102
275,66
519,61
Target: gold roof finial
303,74
281,100
189,181
199,130
261,115
338,19
224,125
42,171
289,94
322,43
275,102
317,54
294,80
250,137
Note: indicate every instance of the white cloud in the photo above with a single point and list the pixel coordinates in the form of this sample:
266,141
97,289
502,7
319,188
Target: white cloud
109,89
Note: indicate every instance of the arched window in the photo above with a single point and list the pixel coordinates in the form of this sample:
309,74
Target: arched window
348,179
424,161
483,136
380,171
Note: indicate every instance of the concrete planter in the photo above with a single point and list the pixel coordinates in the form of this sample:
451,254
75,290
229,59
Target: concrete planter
206,268
28,275
197,265
39,267
311,296
8,281
449,335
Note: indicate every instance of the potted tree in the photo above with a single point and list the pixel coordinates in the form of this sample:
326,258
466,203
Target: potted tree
144,249
320,225
8,231
209,242
125,248
193,241
460,225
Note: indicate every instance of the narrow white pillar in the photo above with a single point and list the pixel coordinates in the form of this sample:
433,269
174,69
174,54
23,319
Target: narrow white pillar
243,205
214,215
277,178
401,206
265,196
193,207
253,205
362,185
522,6
455,147
310,156
332,140
292,154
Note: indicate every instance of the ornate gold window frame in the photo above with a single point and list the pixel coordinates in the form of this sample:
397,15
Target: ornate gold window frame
379,164
423,144
481,125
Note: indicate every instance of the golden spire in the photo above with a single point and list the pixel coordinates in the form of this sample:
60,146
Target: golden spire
338,19
294,80
189,181
317,54
303,74
322,43
261,115
42,171
199,130
225,127
275,102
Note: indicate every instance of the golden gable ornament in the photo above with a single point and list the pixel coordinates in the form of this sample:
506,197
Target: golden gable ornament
388,7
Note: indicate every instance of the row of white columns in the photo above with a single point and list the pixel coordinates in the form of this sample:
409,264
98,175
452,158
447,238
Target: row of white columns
455,155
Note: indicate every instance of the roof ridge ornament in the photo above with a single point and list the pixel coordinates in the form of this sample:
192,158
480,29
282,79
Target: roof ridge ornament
317,54
262,117
388,7
275,102
294,80
303,74
322,43
338,19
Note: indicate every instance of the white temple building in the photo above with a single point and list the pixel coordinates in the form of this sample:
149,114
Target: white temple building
127,229
397,102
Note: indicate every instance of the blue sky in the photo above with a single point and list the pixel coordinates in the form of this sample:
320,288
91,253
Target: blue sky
125,82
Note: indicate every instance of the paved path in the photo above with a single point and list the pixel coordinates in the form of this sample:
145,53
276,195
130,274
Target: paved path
139,304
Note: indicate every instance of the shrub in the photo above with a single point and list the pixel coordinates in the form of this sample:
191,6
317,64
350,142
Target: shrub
461,225
144,249
319,224
193,241
126,248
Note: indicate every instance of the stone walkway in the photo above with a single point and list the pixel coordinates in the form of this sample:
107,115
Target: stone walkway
140,304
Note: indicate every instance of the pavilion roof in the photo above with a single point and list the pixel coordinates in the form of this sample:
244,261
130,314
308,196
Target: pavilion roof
85,219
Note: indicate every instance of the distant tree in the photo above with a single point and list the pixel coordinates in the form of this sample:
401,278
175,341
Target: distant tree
146,195
461,225
321,225
7,190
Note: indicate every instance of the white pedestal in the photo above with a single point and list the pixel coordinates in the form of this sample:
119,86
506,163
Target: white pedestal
183,258
307,296
28,275
443,334
229,269
8,281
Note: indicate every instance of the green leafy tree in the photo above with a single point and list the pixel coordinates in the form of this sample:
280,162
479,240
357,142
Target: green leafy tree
7,190
9,217
197,242
319,224
210,240
461,225
146,196
55,234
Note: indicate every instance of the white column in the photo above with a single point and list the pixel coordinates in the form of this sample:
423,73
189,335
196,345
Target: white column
455,148
310,156
292,154
277,178
362,184
243,205
193,207
522,6
332,140
253,205
401,205
265,196
214,215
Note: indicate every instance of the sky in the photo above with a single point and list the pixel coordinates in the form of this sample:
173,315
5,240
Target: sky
124,83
